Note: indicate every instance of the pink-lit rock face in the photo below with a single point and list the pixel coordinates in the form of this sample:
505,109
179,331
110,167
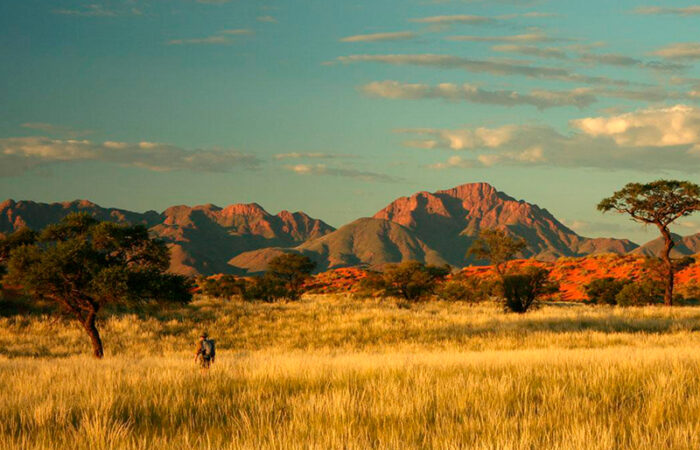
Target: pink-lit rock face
201,238
450,219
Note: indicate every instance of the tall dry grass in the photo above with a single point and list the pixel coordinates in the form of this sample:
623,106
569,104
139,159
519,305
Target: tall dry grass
341,373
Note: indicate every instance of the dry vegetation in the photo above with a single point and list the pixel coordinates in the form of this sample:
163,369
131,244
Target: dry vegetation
333,372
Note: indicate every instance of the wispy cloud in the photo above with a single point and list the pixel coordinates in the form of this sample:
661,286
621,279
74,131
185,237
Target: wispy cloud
529,15
238,31
531,50
537,36
682,50
541,99
659,10
56,130
585,226
266,19
214,40
310,155
454,19
99,10
21,154
322,169
495,67
614,59
374,37
652,139
223,37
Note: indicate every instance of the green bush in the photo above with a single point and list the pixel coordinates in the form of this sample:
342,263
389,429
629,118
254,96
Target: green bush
226,286
646,292
267,288
604,290
409,280
522,290
465,288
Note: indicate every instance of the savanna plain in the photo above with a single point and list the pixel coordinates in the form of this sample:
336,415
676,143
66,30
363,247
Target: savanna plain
332,371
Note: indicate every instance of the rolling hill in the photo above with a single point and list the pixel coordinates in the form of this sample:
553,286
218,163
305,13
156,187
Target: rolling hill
363,243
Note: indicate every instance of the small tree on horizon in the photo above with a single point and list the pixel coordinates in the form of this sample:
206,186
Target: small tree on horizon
497,247
659,203
522,290
411,280
292,270
82,264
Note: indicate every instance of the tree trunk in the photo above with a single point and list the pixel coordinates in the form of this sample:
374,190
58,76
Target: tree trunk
666,256
89,325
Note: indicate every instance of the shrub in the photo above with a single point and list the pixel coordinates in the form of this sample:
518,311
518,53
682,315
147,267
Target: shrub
412,280
465,288
691,293
226,286
409,280
604,290
267,288
290,270
647,292
522,290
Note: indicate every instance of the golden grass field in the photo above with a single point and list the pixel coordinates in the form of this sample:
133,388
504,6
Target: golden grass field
334,372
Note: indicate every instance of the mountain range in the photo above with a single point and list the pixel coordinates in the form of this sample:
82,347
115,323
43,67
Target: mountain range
435,228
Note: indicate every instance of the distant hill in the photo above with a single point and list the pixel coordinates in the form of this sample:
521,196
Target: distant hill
685,246
363,243
15,215
435,228
449,221
439,227
202,238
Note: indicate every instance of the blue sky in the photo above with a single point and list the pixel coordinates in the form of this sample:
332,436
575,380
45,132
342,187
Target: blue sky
337,107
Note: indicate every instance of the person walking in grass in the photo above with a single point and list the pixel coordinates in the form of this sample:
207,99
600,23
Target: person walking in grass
206,352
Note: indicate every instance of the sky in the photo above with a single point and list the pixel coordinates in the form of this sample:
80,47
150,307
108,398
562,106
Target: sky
337,107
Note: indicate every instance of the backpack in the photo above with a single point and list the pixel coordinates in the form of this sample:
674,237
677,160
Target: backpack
208,349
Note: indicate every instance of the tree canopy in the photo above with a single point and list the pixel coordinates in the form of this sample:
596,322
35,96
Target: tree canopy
497,247
659,203
82,264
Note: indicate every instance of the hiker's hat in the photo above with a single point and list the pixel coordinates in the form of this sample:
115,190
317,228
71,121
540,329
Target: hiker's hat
204,335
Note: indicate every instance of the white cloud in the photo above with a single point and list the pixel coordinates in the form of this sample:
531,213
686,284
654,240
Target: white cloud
20,154
267,19
322,169
374,37
652,139
653,127
468,92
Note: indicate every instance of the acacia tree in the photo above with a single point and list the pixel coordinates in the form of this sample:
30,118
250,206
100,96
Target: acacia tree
292,270
18,238
497,247
412,280
659,203
82,264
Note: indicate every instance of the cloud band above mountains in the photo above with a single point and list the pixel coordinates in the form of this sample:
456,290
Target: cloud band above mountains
650,139
20,154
